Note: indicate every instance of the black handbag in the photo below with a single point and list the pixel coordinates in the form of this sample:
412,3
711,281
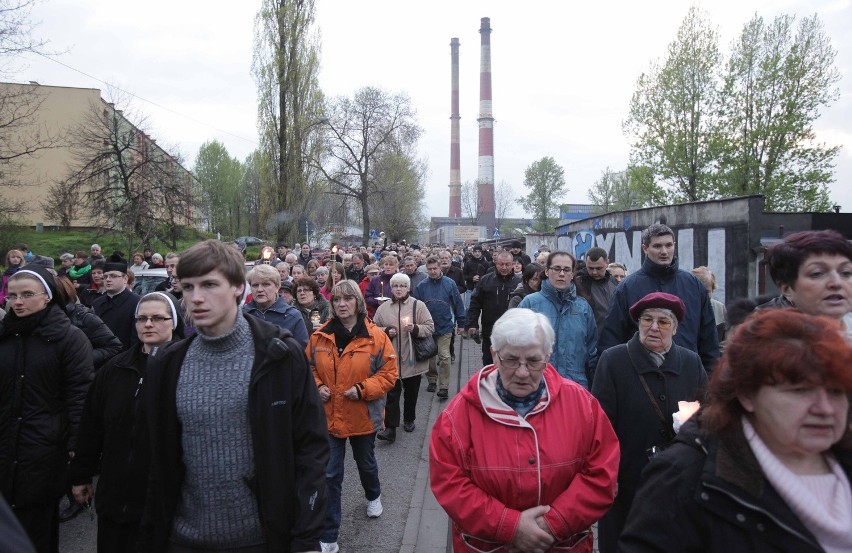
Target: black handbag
424,348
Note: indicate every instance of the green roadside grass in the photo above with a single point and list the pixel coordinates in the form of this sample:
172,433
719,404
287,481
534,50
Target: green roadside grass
54,243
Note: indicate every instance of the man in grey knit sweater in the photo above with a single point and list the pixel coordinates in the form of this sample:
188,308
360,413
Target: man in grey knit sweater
238,432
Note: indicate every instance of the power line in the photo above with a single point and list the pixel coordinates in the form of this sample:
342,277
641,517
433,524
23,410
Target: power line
252,142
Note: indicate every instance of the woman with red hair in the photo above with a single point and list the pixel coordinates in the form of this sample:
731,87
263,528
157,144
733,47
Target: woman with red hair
765,465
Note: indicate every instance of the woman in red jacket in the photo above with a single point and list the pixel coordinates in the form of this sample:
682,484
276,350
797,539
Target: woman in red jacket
504,465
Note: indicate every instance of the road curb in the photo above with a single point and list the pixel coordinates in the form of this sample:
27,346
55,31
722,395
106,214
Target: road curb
427,527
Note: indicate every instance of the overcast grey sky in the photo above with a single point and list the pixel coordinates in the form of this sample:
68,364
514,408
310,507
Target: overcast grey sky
563,72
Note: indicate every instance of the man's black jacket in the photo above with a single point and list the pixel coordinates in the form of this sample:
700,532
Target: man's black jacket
289,436
490,299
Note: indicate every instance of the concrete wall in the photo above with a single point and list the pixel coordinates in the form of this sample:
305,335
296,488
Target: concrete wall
729,236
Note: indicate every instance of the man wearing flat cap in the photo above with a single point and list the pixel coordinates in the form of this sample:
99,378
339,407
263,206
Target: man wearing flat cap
660,273
638,385
117,306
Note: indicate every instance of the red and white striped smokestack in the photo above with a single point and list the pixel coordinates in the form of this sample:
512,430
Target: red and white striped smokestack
455,148
485,180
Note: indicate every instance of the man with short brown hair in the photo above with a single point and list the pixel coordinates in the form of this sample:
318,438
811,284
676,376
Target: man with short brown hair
596,285
660,273
237,429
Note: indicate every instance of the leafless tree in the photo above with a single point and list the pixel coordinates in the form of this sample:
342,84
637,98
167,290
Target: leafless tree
359,131
504,199
62,204
21,137
127,182
470,201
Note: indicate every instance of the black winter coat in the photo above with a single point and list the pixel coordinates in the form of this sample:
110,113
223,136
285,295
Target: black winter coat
597,292
118,313
708,493
289,435
113,425
519,293
44,376
696,332
456,275
490,299
474,266
105,345
616,385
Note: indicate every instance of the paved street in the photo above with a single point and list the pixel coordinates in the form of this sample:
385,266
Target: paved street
412,521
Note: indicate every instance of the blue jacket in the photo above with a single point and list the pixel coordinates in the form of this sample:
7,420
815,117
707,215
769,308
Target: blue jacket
697,331
441,296
283,316
573,321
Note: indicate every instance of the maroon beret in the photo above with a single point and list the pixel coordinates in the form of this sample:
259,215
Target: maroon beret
658,300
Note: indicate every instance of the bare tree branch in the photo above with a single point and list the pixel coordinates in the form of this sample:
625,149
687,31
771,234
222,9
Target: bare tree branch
128,182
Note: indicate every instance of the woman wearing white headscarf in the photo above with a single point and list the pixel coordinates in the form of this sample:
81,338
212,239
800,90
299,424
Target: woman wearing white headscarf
45,369
112,440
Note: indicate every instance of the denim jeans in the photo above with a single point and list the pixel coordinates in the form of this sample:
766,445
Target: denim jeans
368,470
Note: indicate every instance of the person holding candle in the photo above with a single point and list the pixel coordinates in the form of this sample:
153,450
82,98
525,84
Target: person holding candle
638,385
315,309
400,322
765,464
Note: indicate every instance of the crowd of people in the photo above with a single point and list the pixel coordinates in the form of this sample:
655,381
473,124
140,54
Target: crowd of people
216,409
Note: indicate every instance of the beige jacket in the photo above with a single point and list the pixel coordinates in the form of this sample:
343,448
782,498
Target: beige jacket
390,314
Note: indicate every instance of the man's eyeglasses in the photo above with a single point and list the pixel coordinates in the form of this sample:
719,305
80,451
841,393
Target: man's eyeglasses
108,276
156,319
648,321
512,363
559,270
24,296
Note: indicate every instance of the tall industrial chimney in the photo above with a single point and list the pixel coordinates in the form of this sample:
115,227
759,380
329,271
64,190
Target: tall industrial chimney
455,149
485,180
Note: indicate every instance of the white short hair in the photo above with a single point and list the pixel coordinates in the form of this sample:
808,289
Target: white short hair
523,327
400,278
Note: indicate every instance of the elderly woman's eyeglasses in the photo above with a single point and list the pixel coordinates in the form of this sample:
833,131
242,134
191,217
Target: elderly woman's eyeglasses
512,363
648,321
399,285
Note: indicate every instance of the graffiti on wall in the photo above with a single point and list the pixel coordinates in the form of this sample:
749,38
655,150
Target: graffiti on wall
694,246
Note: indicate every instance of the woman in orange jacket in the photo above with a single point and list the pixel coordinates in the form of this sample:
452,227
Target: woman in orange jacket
355,366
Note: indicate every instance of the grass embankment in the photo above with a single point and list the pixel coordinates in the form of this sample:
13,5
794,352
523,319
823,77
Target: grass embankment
54,243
